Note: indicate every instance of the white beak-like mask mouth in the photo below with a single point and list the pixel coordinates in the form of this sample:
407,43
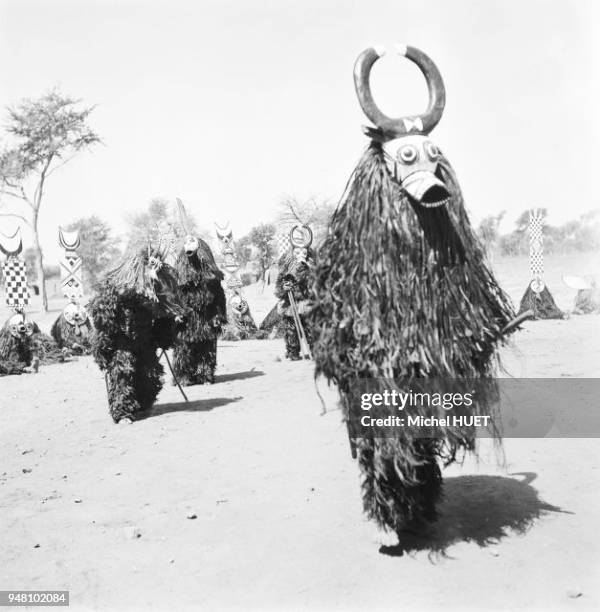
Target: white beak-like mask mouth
426,188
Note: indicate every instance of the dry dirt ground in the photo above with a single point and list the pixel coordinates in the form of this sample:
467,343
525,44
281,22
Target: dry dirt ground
247,498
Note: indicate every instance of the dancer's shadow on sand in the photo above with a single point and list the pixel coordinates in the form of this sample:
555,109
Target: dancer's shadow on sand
221,378
204,405
480,509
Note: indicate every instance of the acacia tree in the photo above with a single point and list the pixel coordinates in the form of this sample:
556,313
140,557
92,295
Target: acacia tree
44,133
160,221
489,231
99,248
261,237
312,212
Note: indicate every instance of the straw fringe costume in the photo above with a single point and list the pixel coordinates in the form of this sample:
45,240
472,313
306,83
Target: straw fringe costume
73,330
402,293
18,346
22,344
294,277
203,299
135,314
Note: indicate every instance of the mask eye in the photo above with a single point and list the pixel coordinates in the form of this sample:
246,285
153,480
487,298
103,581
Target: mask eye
432,151
408,154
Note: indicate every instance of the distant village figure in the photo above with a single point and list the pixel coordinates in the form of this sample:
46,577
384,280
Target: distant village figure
72,329
587,300
402,299
205,310
292,288
240,323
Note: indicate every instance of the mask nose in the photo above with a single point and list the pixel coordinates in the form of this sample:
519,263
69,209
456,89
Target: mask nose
189,252
21,328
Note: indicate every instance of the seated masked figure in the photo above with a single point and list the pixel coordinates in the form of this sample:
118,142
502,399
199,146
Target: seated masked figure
73,329
17,344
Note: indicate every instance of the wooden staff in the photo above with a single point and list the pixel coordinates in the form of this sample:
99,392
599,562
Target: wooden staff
524,316
304,346
174,377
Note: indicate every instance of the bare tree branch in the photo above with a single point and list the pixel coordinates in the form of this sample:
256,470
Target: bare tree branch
61,164
20,196
14,215
11,194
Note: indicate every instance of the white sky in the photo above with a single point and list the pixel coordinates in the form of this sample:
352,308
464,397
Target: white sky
232,105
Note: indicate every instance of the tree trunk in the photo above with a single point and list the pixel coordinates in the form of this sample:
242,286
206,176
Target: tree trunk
39,262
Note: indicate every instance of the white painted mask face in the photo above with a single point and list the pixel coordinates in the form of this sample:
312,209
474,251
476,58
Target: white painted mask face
75,315
300,254
413,161
154,265
226,242
20,327
239,305
190,245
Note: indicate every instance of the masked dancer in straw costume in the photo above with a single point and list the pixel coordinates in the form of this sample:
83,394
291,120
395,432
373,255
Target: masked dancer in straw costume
402,293
205,311
240,323
135,314
72,329
292,287
22,344
537,296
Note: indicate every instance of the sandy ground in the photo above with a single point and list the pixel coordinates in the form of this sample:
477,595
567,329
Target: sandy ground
276,496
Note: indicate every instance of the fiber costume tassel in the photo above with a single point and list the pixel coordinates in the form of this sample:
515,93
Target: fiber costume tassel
203,299
402,295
